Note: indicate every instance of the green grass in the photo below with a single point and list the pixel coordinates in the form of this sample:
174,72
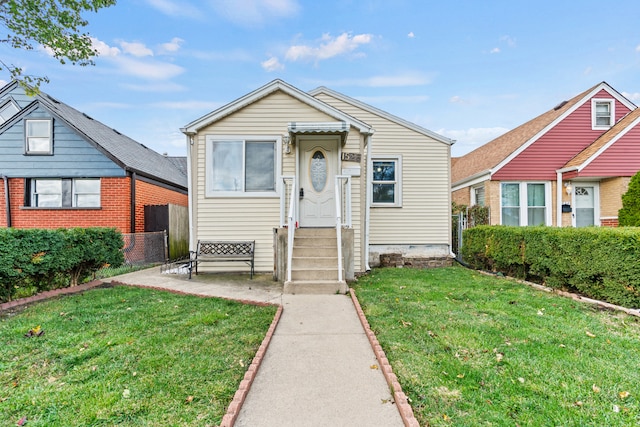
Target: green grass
474,350
126,356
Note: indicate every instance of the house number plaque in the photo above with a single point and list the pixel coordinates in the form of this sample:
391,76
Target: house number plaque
351,157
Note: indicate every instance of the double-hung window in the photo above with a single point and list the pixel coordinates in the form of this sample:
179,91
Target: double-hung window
524,203
38,136
386,181
602,113
241,166
64,193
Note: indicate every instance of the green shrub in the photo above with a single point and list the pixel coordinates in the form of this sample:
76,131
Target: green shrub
629,215
46,259
601,263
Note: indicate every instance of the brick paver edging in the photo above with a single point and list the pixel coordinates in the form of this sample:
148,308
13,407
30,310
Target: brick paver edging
400,399
50,294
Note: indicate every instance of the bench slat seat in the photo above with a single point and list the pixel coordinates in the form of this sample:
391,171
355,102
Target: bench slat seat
222,251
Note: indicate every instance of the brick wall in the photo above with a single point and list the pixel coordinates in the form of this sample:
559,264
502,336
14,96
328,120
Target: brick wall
609,222
149,194
113,212
462,196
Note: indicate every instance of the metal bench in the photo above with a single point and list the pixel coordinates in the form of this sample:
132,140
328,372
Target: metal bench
222,251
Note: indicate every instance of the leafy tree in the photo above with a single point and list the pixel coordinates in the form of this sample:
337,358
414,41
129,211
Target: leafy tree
55,25
629,215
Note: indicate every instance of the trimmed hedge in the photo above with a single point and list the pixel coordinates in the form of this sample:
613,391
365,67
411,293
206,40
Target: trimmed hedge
600,263
41,260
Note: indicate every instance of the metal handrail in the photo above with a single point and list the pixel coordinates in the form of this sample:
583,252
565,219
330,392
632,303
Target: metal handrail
339,223
292,223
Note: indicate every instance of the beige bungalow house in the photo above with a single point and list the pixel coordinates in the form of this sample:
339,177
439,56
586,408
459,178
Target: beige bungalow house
326,186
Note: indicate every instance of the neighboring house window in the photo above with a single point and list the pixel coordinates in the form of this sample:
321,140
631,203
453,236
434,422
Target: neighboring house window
64,193
241,166
478,196
8,110
524,203
38,136
386,184
602,113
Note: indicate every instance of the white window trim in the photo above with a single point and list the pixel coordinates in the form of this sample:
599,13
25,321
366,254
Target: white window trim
4,105
472,197
524,216
73,194
210,139
612,110
26,138
398,182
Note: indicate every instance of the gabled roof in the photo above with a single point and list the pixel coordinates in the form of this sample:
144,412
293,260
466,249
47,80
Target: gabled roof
373,110
124,151
269,88
599,146
493,155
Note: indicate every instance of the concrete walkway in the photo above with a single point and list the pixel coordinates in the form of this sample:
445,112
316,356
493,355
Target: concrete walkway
319,368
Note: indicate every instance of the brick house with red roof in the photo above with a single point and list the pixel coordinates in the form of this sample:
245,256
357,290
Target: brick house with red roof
568,167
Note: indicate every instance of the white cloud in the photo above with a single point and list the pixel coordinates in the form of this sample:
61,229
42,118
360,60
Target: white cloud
495,50
328,47
172,46
510,41
176,8
635,97
104,49
272,64
148,69
136,49
411,35
638,48
255,12
457,100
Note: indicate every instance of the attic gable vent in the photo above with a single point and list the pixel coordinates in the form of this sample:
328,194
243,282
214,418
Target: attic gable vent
559,106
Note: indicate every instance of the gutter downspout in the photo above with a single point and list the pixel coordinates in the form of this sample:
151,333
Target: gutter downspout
189,140
558,199
367,202
7,200
132,214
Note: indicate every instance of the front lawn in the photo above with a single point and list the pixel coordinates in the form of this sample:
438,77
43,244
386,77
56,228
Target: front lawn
126,356
474,350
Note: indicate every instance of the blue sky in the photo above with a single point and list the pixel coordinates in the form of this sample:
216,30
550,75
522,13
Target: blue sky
469,70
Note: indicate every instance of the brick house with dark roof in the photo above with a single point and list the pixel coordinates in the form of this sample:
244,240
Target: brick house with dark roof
568,167
61,168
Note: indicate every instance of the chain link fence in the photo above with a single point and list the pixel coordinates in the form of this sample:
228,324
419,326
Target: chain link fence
145,248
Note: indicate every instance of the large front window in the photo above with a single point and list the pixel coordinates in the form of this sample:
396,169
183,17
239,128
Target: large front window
241,166
64,193
386,189
524,203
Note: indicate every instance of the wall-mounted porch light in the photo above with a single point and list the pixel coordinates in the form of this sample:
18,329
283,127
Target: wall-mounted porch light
286,143
567,187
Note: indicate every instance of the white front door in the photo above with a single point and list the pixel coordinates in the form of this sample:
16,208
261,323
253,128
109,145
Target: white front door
585,202
318,164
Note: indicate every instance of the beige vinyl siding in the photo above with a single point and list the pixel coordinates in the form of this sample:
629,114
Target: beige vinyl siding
246,218
424,217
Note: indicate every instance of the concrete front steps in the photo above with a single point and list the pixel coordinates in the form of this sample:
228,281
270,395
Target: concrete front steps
314,267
